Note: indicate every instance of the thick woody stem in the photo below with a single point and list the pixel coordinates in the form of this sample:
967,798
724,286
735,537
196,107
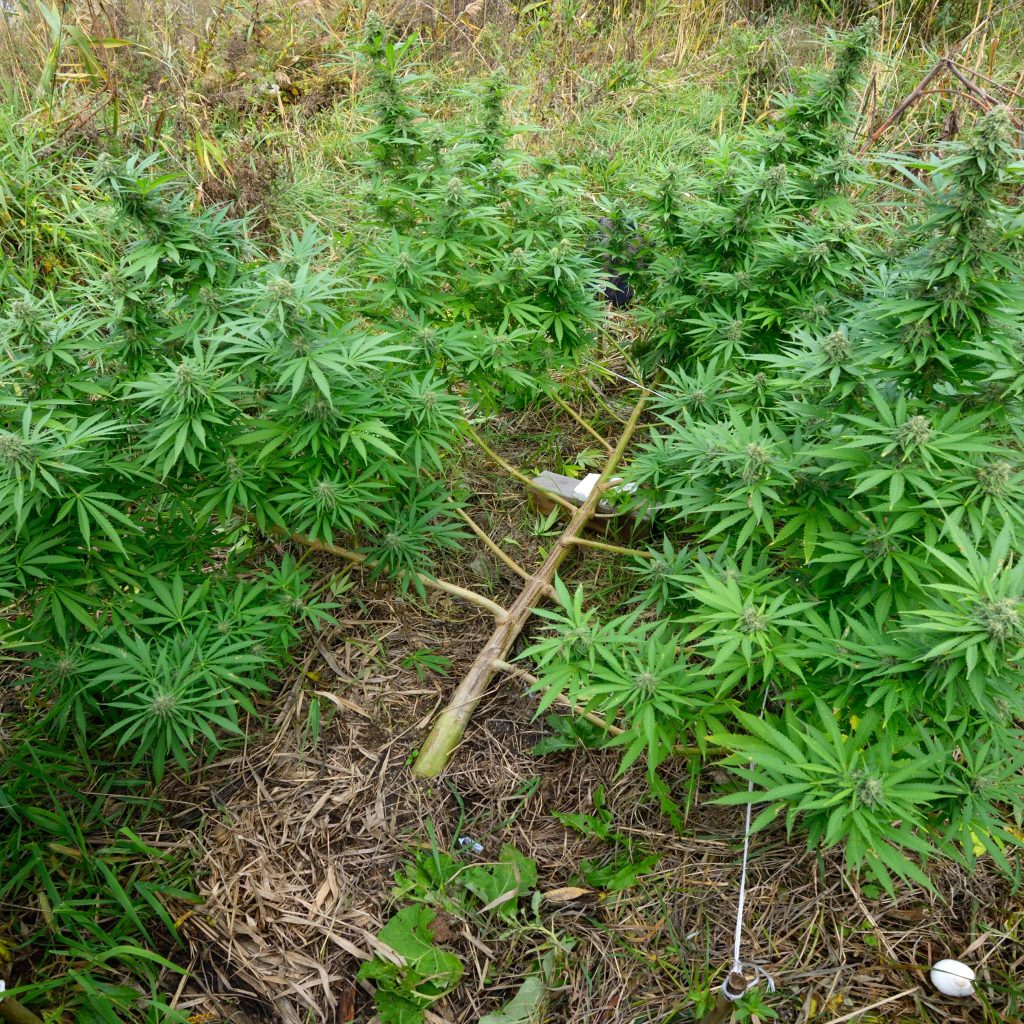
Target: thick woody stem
13,1011
721,1012
450,724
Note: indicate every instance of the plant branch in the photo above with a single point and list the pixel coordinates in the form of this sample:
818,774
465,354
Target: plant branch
600,545
561,699
513,472
450,725
601,401
562,404
492,546
626,357
357,558
594,717
914,95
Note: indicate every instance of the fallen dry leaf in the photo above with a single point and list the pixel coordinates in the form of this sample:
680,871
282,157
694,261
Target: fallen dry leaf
566,894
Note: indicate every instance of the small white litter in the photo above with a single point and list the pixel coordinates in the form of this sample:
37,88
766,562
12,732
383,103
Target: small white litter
953,978
582,490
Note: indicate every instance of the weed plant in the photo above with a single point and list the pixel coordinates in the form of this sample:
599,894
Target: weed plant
837,598
171,395
835,473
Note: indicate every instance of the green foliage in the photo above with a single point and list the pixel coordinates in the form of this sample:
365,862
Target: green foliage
528,1004
174,396
481,256
444,880
753,1007
498,886
836,471
420,972
567,733
169,388
586,660
103,894
761,240
626,863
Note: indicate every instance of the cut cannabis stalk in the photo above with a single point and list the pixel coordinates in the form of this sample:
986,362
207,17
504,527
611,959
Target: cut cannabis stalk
450,725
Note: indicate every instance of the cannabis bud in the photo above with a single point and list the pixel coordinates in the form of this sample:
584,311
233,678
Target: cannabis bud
777,176
995,477
836,348
279,289
325,494
1001,619
23,312
12,449
753,621
914,433
870,790
756,465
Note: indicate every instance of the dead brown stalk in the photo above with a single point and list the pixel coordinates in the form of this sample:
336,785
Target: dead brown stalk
943,67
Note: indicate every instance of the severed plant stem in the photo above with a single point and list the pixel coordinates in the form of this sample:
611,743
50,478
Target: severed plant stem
471,596
513,472
562,404
600,545
721,1012
492,546
901,108
13,1011
450,725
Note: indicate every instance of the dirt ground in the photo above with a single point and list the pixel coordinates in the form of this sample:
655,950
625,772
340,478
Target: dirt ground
297,844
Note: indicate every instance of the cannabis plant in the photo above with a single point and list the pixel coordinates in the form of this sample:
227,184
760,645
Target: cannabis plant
481,263
177,401
840,587
760,239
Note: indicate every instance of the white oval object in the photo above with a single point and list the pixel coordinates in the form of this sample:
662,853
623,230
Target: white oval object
953,978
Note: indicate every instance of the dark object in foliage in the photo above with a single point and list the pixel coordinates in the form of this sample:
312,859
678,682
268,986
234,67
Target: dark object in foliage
622,249
619,291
